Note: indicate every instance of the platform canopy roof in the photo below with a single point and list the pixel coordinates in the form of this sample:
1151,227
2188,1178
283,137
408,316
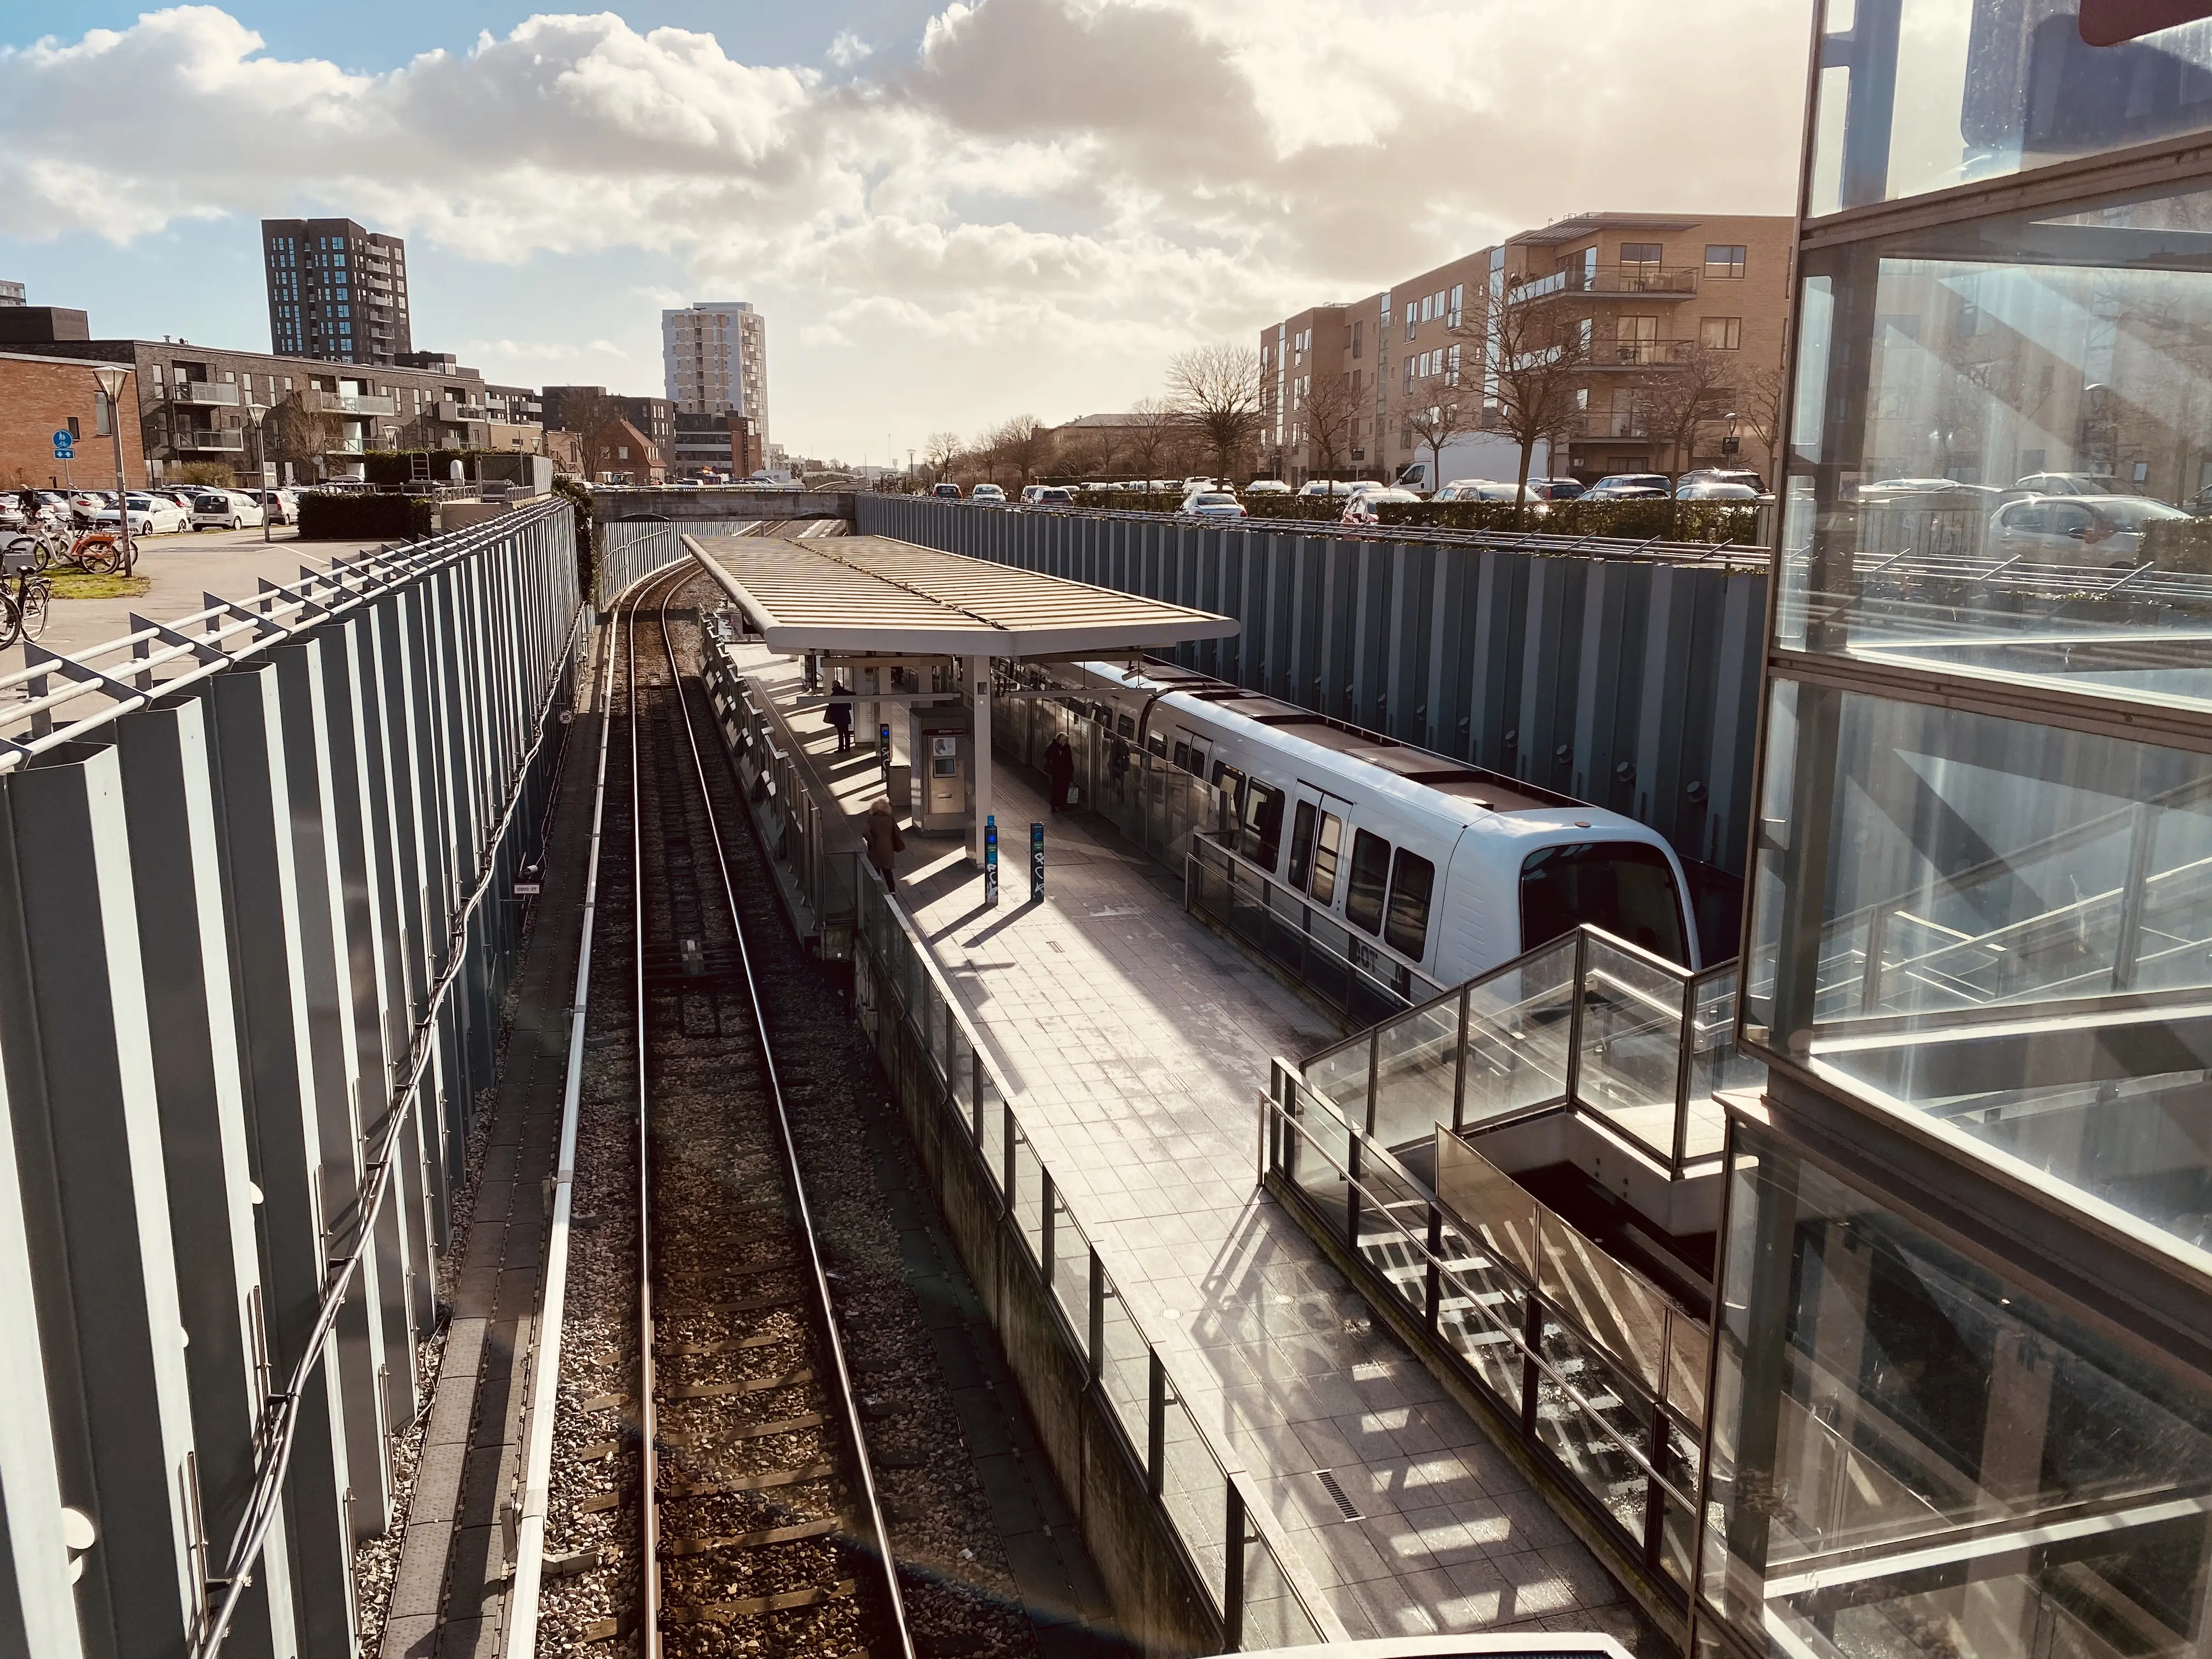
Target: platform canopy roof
867,593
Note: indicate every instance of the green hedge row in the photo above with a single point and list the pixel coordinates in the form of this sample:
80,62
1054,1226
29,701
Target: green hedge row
2179,545
355,517
394,467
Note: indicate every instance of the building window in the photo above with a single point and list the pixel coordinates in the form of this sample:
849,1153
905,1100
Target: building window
1724,258
102,424
1358,336
1458,296
1721,333
1644,255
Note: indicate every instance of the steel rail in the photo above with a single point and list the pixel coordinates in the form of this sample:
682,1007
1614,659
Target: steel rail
649,1407
521,1636
280,1413
818,1278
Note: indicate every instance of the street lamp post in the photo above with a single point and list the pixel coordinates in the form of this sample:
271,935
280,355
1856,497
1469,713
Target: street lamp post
111,376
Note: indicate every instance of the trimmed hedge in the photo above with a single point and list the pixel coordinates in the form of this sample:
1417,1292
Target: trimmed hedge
391,468
353,517
2179,545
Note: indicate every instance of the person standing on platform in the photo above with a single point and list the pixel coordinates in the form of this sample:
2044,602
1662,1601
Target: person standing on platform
841,716
1059,770
885,842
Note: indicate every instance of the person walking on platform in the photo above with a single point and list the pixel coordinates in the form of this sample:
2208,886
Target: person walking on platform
841,716
885,842
1059,770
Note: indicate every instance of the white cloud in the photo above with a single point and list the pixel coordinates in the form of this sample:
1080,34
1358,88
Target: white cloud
1036,209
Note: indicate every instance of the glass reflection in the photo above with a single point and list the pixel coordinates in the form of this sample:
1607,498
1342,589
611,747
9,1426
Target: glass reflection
2004,928
2002,450
1911,1456
1916,95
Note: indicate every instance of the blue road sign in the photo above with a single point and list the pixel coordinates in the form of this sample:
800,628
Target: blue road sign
64,442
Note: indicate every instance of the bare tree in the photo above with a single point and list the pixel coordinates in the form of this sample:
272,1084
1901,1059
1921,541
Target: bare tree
1024,444
1326,413
1437,424
587,414
1153,430
940,450
1216,390
1542,347
1694,389
293,431
1762,401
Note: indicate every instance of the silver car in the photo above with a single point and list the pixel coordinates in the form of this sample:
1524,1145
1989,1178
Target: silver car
2077,530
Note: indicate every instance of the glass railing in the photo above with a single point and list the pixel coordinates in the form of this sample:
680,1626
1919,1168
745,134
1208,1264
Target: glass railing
1602,1372
1587,1022
1230,1547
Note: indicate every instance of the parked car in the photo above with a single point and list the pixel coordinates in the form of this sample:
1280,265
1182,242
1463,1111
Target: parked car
1559,489
1482,489
1714,490
1632,487
1267,487
282,506
2074,483
150,515
946,491
1360,509
987,494
1211,503
1054,496
226,509
1740,475
1313,489
2076,530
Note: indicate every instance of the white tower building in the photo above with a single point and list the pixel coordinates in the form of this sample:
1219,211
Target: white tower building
715,359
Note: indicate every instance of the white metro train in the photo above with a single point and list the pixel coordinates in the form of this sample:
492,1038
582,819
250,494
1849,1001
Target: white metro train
1455,869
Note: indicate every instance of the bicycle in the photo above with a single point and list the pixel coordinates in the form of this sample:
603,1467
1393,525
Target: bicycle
26,596
100,551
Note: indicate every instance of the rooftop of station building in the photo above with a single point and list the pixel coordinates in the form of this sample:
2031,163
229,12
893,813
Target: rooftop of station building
868,593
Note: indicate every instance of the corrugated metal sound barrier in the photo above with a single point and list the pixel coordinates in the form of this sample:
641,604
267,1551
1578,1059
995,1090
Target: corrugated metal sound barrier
255,923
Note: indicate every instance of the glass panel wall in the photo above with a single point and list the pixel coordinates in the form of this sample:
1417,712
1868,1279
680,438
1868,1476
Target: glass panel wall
1916,95
2003,445
2003,927
1913,1455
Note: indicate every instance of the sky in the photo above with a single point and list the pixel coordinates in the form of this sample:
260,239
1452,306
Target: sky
950,214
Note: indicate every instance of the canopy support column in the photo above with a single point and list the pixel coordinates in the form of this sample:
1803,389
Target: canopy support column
979,688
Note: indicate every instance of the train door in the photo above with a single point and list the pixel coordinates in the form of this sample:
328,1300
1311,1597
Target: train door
1318,843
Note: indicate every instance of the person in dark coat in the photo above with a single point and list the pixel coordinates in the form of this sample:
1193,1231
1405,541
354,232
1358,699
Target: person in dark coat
1059,770
885,842
841,716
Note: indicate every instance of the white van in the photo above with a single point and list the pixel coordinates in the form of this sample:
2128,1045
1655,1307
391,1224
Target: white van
226,509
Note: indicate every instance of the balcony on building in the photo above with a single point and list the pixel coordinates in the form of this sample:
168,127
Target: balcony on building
349,403
226,439
454,413
203,392
1638,354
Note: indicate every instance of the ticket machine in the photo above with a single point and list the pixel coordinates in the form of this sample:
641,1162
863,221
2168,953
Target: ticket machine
942,741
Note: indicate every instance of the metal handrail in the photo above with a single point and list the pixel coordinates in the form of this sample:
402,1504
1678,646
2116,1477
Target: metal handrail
277,613
1528,1284
1234,1477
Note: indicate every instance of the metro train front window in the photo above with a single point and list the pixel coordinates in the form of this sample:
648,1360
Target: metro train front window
1624,888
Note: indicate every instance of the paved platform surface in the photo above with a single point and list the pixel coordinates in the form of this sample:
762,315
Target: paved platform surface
1137,1042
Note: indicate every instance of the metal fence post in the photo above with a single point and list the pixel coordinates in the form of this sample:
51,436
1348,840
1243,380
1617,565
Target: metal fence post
1007,1157
1046,1206
1434,1300
975,1094
1098,1295
1575,1016
1232,1586
1459,1060
1156,1423
1685,1071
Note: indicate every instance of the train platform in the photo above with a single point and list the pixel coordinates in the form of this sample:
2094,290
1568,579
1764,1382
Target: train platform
1135,1043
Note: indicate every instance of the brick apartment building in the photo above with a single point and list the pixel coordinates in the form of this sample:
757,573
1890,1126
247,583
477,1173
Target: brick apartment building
654,417
619,453
198,403
725,443
1652,292
41,395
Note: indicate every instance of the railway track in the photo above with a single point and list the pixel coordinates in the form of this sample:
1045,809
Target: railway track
758,1526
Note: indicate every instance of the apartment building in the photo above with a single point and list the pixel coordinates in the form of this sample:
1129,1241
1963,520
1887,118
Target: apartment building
11,294
1648,299
338,292
715,360
727,442
199,404
569,408
41,395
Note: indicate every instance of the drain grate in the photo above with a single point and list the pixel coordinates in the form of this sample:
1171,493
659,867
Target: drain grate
1344,1505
